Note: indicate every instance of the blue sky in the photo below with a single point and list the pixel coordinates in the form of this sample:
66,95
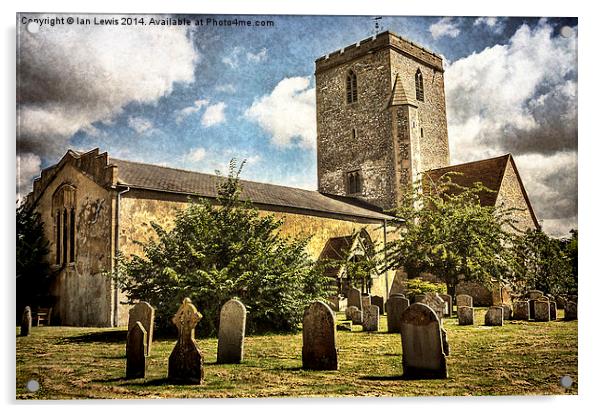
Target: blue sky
194,98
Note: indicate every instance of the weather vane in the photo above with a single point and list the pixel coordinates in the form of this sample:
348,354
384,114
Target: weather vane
376,25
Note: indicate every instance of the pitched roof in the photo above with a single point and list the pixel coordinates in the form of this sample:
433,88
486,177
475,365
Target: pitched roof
399,96
165,179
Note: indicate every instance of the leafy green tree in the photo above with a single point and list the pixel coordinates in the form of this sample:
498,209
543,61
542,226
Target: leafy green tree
218,252
448,233
33,270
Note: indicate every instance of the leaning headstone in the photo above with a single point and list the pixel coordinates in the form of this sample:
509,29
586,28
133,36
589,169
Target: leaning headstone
447,299
231,335
465,316
371,318
380,302
422,345
542,310
435,302
136,352
464,300
357,316
144,313
354,298
494,316
26,322
186,361
520,310
507,311
319,338
553,310
366,301
396,305
570,311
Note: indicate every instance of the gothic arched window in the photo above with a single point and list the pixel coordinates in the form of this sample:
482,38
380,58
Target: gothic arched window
419,86
354,183
63,206
351,87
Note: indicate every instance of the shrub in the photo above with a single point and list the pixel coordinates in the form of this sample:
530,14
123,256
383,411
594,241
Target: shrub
417,286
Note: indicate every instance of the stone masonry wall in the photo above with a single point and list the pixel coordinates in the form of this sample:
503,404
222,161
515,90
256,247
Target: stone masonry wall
511,196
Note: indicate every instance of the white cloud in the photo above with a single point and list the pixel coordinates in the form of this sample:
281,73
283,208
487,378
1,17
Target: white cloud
28,167
258,57
444,27
288,113
187,111
495,24
214,114
196,154
231,60
140,124
226,88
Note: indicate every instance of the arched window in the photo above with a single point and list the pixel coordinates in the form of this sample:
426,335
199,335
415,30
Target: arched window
351,87
354,183
63,205
419,86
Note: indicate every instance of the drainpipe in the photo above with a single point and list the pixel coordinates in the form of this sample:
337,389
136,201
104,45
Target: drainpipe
385,257
116,267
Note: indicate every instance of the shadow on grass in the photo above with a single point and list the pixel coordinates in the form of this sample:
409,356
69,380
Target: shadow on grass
98,337
124,381
383,378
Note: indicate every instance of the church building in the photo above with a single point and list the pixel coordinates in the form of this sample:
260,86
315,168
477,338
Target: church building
381,125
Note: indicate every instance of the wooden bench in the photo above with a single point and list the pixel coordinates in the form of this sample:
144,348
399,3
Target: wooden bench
43,316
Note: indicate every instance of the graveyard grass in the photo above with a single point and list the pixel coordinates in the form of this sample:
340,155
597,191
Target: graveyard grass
519,358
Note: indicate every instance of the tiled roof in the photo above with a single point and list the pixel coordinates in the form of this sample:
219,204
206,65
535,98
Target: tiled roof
165,179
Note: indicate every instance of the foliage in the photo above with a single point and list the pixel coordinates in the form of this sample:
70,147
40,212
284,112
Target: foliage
218,252
33,271
417,286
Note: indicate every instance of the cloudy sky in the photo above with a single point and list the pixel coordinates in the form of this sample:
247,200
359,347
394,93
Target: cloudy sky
196,97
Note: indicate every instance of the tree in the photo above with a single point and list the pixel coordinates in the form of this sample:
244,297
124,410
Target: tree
448,233
33,270
218,252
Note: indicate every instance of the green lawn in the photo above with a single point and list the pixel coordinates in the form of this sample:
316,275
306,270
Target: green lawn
518,358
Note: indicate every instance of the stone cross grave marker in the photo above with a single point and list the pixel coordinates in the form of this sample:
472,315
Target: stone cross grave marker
521,310
319,338
542,310
371,318
422,346
494,316
144,313
26,322
380,302
464,300
186,360
465,316
231,336
354,298
396,305
136,352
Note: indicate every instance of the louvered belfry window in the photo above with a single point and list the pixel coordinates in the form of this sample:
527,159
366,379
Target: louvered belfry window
351,87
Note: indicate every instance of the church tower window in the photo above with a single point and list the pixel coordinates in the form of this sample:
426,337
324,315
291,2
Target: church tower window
354,134
419,86
63,205
351,87
354,183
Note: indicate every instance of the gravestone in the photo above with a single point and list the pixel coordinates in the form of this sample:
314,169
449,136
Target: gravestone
465,316
136,352
494,316
231,335
366,301
418,298
447,299
435,302
570,311
371,318
422,345
396,305
186,360
380,302
463,300
26,322
521,310
319,338
507,311
354,298
553,310
542,310
357,316
534,294
144,313
349,311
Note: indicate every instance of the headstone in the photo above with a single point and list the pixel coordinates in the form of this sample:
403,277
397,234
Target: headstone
396,305
380,302
144,313
435,302
366,301
444,341
342,303
136,352
422,344
447,299
354,298
463,300
231,335
521,310
507,311
319,338
494,316
542,310
418,298
465,316
371,318
26,322
349,311
570,311
357,316
553,310
186,360
534,294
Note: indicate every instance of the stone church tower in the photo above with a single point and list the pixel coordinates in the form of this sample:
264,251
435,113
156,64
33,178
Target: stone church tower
381,118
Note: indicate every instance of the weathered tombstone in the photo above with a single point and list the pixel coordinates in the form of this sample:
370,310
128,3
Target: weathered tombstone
396,305
380,302
494,316
553,310
534,294
357,316
319,338
570,311
371,318
418,298
444,341
26,322
435,302
447,299
422,344
144,313
521,310
465,316
186,361
136,352
231,335
349,311
507,311
542,310
354,298
463,300
366,301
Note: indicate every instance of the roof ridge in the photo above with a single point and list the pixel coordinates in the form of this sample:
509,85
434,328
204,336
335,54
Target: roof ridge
508,155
